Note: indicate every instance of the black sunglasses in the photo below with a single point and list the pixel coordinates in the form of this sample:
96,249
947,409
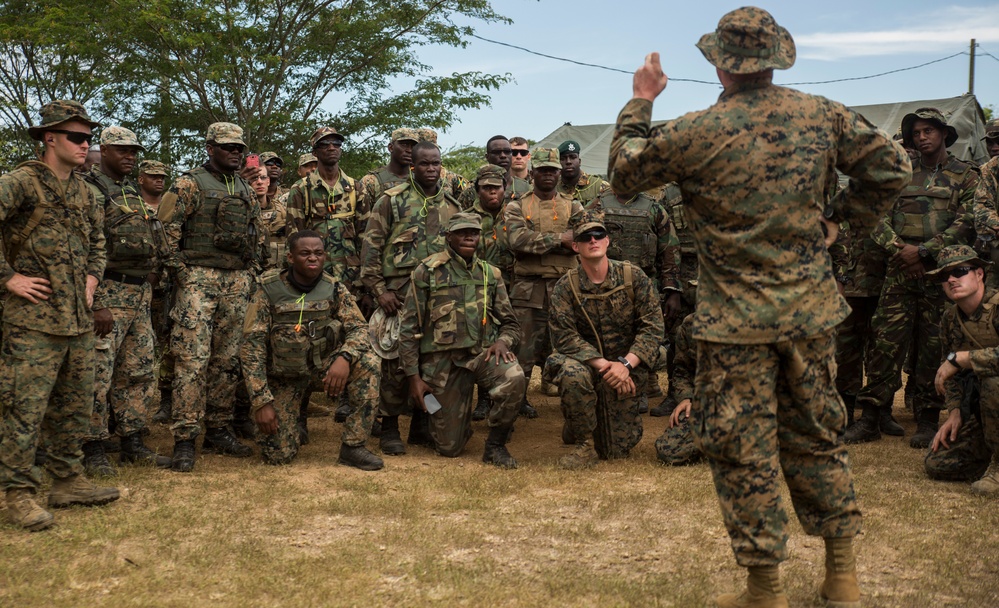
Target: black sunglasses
589,235
231,148
957,273
328,143
75,136
520,152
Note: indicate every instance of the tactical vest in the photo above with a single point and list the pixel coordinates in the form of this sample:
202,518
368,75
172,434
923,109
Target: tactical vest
132,233
632,236
303,331
414,236
387,179
911,222
627,286
981,333
323,217
222,233
460,309
549,217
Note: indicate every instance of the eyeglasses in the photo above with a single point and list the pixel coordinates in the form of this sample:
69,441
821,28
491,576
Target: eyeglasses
591,235
74,136
957,273
517,152
327,143
231,148
259,178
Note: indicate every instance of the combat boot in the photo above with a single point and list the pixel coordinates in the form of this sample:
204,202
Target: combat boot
482,407
133,450
643,404
390,440
926,428
763,590
164,414
25,512
568,438
887,422
183,456
77,490
867,428
840,588
496,452
988,485
665,408
343,410
419,429
95,461
221,441
527,410
583,457
359,457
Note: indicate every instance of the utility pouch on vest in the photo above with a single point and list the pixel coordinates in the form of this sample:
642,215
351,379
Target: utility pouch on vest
232,226
130,236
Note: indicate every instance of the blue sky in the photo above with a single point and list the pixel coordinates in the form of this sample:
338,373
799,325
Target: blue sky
842,39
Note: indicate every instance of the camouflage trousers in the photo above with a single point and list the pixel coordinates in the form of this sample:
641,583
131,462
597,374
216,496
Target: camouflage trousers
362,394
977,441
593,409
124,381
46,395
532,314
767,408
161,329
907,317
676,446
207,333
854,337
451,426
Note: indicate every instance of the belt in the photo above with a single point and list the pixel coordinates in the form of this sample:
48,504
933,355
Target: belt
111,275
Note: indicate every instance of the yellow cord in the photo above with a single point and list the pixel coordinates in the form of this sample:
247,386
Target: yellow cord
301,311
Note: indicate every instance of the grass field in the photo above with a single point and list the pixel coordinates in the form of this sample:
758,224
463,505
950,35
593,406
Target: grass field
429,531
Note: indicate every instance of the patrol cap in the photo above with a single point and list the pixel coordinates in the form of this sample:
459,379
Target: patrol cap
568,146
57,112
545,157
590,221
748,40
465,219
992,129
957,255
932,115
490,175
271,157
153,167
405,134
307,158
383,334
224,133
426,134
324,132
120,136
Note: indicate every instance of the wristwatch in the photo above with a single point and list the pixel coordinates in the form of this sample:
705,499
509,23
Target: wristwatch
346,356
952,359
624,361
923,252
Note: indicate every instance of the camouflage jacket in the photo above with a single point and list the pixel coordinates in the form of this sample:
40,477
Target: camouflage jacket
530,240
373,186
859,263
493,246
453,183
588,188
618,322
986,206
65,247
454,310
517,188
330,210
274,218
672,200
756,170
983,347
681,381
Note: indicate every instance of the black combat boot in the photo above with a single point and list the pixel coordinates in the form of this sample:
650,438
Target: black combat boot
567,437
926,428
95,460
496,452
359,457
643,404
303,419
183,456
865,429
527,410
665,408
221,441
482,407
419,429
164,414
390,440
888,424
134,450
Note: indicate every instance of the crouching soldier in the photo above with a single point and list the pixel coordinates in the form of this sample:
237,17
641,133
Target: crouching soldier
303,332
676,445
457,330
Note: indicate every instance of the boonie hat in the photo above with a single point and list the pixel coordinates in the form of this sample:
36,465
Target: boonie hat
931,114
383,333
57,112
957,255
748,40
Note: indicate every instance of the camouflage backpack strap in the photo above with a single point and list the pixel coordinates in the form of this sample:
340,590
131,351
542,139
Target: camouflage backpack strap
574,285
629,285
307,189
17,241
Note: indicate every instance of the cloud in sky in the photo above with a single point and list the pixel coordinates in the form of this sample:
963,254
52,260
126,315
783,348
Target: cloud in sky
941,30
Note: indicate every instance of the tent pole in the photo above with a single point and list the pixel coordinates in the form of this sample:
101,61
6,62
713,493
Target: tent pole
971,68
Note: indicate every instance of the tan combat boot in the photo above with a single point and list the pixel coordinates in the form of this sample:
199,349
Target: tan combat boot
77,490
840,589
25,512
583,457
988,485
763,590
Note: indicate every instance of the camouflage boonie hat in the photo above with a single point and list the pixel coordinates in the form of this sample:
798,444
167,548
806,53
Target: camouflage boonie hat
268,157
405,135
383,333
57,112
568,146
153,167
120,136
307,158
426,134
931,114
224,133
322,133
545,157
992,129
465,219
957,255
490,175
590,221
748,40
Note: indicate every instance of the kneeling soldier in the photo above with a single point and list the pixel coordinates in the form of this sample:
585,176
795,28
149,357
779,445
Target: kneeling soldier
303,332
458,329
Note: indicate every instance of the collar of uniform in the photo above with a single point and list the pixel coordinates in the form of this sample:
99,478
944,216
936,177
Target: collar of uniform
457,259
314,180
218,174
478,208
610,281
125,182
742,87
419,190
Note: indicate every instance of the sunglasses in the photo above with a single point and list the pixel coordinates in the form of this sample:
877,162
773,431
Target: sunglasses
957,273
520,152
591,235
327,143
75,136
231,148
259,178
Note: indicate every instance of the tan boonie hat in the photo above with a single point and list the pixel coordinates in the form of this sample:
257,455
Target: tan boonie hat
426,134
465,219
545,157
748,40
57,112
383,333
957,255
120,136
490,175
224,133
590,221
307,158
992,129
931,114
266,157
324,132
153,167
405,135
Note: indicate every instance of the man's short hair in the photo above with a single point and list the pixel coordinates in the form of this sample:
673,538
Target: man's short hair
424,145
302,234
494,138
519,141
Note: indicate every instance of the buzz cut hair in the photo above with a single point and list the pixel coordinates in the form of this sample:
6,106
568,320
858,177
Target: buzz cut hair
495,138
302,234
519,141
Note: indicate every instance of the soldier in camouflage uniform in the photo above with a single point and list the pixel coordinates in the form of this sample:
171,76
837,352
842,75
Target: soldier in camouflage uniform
457,328
273,215
452,183
498,153
304,333
539,235
53,259
406,226
307,163
520,161
124,371
377,181
606,326
966,448
991,137
676,446
755,170
575,183
214,238
275,169
986,216
933,212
